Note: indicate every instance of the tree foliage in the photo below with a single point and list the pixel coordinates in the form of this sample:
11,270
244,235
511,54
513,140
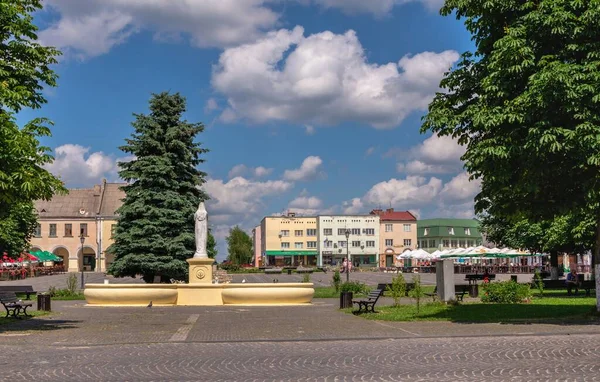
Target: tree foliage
155,231
211,245
24,69
239,246
526,103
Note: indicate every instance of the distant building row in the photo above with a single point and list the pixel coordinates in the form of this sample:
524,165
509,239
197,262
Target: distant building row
375,239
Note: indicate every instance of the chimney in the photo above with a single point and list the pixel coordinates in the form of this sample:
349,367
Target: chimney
389,210
376,211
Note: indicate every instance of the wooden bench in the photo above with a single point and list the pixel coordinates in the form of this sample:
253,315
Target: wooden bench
459,292
368,304
384,288
26,289
587,285
13,305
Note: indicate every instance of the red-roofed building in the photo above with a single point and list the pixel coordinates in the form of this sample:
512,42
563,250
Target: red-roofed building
397,233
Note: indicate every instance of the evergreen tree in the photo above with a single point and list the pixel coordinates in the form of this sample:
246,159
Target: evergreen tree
239,246
155,231
211,245
24,69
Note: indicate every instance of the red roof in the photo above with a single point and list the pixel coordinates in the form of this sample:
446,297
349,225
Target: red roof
391,215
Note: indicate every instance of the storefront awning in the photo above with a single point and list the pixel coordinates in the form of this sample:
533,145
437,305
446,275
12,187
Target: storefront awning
291,253
46,256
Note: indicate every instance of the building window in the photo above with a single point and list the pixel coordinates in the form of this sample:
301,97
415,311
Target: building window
298,232
327,243
327,231
370,244
69,230
454,243
406,227
431,244
389,242
450,231
461,243
389,228
38,231
355,231
341,231
426,232
407,242
285,245
83,229
113,227
52,230
311,244
342,244
298,245
468,231
356,244
311,232
446,243
369,231
284,233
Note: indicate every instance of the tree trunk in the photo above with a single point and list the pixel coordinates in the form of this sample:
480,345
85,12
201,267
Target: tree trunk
554,265
596,266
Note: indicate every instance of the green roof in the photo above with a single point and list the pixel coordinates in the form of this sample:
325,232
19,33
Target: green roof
438,228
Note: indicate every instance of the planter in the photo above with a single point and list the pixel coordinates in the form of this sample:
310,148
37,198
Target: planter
130,294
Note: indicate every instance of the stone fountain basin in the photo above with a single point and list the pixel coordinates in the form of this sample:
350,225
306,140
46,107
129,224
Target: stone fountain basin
199,294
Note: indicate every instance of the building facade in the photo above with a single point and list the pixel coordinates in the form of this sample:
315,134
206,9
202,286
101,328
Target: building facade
289,240
82,213
397,233
361,245
257,246
440,234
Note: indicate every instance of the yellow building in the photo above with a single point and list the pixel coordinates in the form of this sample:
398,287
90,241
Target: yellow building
88,214
397,233
289,240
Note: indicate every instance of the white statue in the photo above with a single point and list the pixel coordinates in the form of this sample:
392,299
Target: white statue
201,228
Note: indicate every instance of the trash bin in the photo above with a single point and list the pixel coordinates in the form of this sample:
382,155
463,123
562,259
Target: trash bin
513,278
473,290
289,271
345,300
43,302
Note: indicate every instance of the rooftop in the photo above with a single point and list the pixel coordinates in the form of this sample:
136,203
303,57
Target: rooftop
391,215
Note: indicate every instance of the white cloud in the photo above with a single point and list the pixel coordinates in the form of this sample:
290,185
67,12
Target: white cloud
370,151
436,155
261,171
411,192
211,105
324,78
240,197
309,170
375,7
242,169
353,206
460,189
310,130
92,27
76,166
306,205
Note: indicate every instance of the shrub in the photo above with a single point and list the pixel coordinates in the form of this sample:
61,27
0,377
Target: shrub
397,289
505,292
354,287
306,278
538,282
72,283
335,282
417,292
230,267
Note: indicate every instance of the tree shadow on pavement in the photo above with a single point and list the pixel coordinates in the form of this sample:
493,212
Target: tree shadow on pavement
36,324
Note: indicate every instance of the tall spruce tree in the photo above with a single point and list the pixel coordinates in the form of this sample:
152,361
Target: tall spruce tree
155,231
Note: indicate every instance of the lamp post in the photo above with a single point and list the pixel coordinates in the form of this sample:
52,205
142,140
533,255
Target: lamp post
347,256
81,240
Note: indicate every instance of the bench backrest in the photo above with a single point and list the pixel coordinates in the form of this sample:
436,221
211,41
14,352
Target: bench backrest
16,288
374,295
6,297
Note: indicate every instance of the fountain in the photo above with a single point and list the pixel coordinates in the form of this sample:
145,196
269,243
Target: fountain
200,291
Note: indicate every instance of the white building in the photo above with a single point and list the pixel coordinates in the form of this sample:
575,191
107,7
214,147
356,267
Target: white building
363,239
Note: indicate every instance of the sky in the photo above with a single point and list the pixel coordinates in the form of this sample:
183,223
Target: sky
311,106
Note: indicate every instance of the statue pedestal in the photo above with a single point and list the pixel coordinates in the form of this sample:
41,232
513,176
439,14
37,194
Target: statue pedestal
201,270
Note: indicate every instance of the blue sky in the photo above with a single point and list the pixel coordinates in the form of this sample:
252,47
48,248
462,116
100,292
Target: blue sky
309,105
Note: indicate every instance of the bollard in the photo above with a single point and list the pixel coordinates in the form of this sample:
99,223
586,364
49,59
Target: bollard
44,302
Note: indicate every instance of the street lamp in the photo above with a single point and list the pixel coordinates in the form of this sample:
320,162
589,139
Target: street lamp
81,240
347,256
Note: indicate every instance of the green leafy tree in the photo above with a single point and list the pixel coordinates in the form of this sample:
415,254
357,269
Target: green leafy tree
155,231
526,103
24,69
211,245
397,289
239,246
336,280
417,292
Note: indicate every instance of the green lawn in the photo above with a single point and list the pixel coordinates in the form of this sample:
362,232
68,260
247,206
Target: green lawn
329,292
539,309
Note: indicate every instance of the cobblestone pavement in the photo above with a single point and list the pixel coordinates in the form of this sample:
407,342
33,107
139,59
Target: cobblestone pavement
318,342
